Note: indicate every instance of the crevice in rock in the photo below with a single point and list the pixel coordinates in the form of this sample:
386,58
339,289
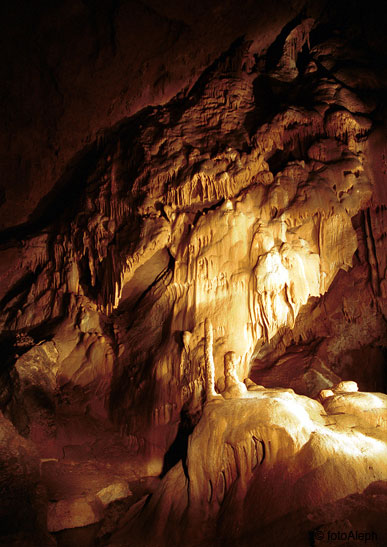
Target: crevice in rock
275,50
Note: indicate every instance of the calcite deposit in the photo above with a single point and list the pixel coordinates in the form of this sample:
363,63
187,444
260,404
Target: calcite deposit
196,291
254,461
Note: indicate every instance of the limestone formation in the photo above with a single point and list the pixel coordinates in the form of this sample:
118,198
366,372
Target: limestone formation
246,453
209,360
193,270
230,386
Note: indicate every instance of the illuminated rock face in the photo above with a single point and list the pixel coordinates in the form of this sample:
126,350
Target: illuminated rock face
201,209
226,239
256,464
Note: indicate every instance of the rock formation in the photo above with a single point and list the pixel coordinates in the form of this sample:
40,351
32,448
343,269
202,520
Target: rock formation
193,284
254,462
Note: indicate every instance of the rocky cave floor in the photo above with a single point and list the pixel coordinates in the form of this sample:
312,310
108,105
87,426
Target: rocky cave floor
79,483
98,492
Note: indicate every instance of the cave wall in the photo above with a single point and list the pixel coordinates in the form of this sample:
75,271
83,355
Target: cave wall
240,200
72,70
171,164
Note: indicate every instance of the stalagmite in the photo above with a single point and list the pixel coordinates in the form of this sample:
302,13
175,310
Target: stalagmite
232,386
209,360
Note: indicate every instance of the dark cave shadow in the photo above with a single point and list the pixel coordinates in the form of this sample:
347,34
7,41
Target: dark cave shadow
66,192
66,196
275,51
178,449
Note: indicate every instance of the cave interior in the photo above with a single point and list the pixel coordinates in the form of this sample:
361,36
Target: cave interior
193,273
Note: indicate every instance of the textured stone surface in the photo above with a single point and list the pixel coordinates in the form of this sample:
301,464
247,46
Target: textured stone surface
245,454
242,223
71,514
193,207
113,492
75,69
23,504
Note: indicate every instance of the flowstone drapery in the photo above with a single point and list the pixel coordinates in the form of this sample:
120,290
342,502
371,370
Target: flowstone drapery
242,227
200,273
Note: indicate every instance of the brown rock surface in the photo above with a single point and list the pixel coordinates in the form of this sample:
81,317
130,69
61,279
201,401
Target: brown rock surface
194,214
23,505
246,453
